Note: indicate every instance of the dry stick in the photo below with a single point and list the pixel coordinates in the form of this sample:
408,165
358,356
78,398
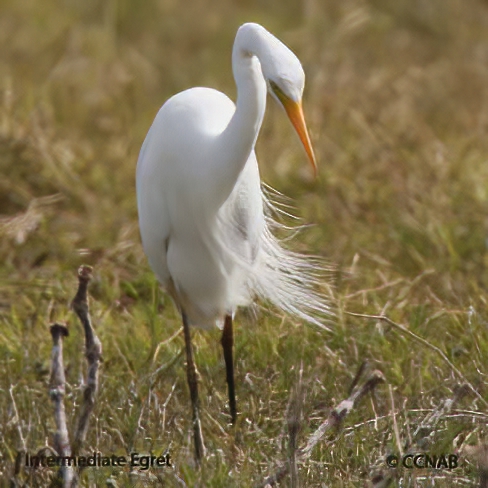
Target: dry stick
93,354
57,389
426,343
334,421
337,416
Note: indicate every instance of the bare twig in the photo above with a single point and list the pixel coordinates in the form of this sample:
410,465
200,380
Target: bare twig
334,421
57,390
93,353
337,416
427,344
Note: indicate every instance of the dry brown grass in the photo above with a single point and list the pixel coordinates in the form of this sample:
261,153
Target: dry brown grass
397,103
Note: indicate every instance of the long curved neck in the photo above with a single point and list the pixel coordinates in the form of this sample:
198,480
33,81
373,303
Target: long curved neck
237,141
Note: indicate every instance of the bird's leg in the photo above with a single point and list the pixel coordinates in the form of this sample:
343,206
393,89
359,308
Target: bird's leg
191,374
228,344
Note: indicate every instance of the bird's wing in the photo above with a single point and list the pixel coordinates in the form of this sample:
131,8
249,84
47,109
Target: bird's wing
154,222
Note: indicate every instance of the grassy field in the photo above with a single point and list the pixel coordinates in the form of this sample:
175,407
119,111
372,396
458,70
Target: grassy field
397,105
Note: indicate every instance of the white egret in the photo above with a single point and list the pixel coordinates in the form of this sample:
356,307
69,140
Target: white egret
204,220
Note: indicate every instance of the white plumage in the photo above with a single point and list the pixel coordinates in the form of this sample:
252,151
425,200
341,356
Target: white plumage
202,213
206,225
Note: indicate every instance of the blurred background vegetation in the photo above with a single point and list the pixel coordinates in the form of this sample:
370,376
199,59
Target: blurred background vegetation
397,105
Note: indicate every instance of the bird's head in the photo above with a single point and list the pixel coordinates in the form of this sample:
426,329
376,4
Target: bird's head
293,108
285,79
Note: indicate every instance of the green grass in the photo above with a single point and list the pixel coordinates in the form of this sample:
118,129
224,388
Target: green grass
397,103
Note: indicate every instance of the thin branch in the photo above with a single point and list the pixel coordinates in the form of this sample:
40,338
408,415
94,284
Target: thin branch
427,344
337,416
333,422
93,354
57,389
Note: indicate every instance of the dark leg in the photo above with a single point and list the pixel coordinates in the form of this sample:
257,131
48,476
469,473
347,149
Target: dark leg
227,344
191,374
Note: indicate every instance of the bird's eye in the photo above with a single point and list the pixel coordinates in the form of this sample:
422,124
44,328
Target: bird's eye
278,92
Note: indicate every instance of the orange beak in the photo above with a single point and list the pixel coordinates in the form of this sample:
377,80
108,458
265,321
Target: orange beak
295,114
